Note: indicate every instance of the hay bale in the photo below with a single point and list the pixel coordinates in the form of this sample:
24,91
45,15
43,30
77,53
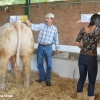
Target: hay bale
61,89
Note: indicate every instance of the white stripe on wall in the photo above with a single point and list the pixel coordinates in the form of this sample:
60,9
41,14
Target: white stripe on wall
68,48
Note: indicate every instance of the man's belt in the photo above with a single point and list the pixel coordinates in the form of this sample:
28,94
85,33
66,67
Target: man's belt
45,44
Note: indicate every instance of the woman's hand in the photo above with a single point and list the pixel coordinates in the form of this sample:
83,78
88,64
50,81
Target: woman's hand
79,44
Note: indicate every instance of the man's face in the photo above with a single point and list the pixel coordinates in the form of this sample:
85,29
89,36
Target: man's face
48,21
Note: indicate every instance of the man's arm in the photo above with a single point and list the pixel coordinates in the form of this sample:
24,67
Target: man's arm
56,39
35,27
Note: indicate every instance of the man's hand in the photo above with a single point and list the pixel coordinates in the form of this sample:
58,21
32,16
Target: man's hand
56,52
28,22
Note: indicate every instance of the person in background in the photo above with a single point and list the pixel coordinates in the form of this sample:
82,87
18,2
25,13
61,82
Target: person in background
48,35
87,61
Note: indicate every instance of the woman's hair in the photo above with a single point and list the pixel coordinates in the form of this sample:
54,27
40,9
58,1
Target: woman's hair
95,20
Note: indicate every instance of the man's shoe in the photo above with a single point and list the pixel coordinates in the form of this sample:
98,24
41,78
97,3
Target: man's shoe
39,80
48,83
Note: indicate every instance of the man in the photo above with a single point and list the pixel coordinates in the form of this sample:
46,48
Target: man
48,35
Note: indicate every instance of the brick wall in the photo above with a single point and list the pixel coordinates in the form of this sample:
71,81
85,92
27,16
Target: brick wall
67,17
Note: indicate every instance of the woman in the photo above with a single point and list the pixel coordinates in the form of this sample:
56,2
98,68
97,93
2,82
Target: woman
88,56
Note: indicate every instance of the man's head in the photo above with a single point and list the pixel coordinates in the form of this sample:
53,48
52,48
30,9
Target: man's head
49,18
49,15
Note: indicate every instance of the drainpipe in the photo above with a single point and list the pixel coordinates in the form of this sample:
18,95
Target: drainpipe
27,9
